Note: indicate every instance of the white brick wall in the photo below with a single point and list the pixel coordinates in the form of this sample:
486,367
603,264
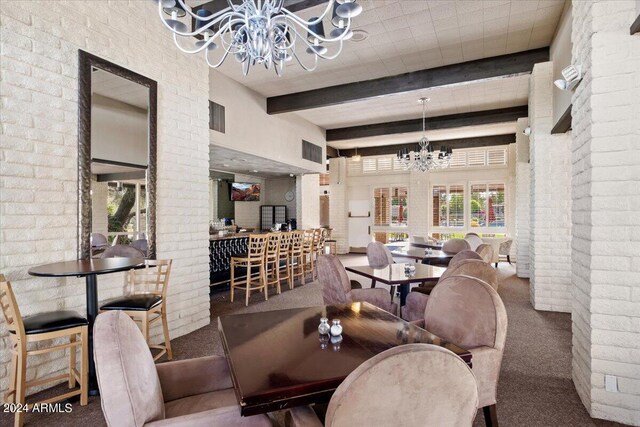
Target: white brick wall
523,198
38,187
550,222
606,207
338,203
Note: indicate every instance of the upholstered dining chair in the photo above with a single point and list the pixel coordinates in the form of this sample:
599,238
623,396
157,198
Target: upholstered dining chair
409,385
462,255
470,313
505,251
147,301
486,252
124,251
45,332
336,287
141,244
418,297
99,243
474,240
379,256
136,392
453,246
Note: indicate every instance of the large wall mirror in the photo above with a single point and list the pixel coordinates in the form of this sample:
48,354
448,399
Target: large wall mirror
116,158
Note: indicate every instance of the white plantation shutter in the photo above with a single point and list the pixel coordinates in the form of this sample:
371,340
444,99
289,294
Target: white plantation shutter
355,168
496,156
397,165
368,165
385,164
458,159
476,158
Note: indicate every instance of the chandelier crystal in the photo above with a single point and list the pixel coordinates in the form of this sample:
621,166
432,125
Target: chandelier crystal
260,32
425,158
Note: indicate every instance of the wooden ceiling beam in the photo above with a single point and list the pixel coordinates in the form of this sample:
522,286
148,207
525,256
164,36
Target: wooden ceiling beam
475,142
503,66
451,121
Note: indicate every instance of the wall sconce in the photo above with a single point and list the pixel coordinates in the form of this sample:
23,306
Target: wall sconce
572,76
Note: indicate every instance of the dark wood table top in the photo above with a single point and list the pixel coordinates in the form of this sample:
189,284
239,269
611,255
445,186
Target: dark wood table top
277,359
394,274
420,253
85,267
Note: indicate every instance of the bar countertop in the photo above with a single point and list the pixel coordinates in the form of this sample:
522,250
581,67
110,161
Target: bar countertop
215,237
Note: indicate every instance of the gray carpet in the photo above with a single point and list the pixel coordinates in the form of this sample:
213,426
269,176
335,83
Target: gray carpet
535,386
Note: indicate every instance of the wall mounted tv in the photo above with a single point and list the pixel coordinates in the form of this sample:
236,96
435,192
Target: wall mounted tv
245,192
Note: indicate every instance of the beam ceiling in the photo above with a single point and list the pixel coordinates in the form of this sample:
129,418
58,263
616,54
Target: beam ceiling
480,141
482,69
433,123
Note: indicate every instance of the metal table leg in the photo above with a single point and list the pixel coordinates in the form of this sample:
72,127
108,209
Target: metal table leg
92,312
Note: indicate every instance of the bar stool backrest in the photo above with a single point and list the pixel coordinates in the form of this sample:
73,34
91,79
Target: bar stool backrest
257,246
273,245
11,312
322,236
308,239
285,242
297,241
152,279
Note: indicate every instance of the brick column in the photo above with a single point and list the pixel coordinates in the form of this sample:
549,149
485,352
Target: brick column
523,180
550,205
606,208
418,203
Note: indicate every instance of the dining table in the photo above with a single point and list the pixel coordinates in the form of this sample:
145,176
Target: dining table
397,275
426,256
89,269
278,359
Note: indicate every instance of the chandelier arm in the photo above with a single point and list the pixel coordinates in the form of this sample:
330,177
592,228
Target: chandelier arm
224,56
302,23
315,21
315,65
222,29
200,30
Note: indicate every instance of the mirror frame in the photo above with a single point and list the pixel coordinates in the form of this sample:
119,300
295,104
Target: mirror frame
86,62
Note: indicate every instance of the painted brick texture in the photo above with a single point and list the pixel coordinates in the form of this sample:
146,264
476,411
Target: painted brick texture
550,205
523,200
38,184
339,204
308,200
606,206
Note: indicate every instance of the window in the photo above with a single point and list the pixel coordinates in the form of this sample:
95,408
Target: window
487,205
384,237
390,206
448,205
126,211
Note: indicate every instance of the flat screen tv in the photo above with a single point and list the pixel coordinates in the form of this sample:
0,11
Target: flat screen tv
245,192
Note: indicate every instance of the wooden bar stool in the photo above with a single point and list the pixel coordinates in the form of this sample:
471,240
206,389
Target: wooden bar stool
308,252
38,328
146,302
284,258
272,261
296,256
254,257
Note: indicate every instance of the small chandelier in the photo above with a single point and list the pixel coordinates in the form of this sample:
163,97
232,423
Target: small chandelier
425,158
261,32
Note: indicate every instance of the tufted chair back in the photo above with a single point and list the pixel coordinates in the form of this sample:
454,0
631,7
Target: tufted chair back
486,252
473,268
463,255
474,240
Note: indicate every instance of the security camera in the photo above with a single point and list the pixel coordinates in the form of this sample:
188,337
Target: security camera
527,131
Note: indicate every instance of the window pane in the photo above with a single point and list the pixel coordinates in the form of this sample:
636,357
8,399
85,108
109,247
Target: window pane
439,206
495,205
478,199
399,206
456,206
381,206
380,237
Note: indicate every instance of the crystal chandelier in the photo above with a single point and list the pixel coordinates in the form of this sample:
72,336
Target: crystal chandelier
260,32
425,158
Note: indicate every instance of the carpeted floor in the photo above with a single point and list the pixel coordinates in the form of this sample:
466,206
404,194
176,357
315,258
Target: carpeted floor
535,386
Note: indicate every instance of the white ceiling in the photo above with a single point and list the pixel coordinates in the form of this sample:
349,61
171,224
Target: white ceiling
410,35
434,136
227,160
115,87
475,96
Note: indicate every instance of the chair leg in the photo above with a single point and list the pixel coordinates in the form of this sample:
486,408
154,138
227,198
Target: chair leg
21,380
165,330
84,366
10,396
145,327
263,274
496,265
277,272
490,416
248,284
72,361
509,259
233,279
373,283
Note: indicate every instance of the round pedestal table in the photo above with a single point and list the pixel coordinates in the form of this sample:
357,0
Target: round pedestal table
89,269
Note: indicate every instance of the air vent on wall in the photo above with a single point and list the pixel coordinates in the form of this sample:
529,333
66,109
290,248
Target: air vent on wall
216,117
311,152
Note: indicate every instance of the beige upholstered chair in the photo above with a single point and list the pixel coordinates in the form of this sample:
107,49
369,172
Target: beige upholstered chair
47,332
147,301
122,251
417,299
453,246
378,255
463,255
336,288
136,392
470,313
474,240
486,252
409,385
505,251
